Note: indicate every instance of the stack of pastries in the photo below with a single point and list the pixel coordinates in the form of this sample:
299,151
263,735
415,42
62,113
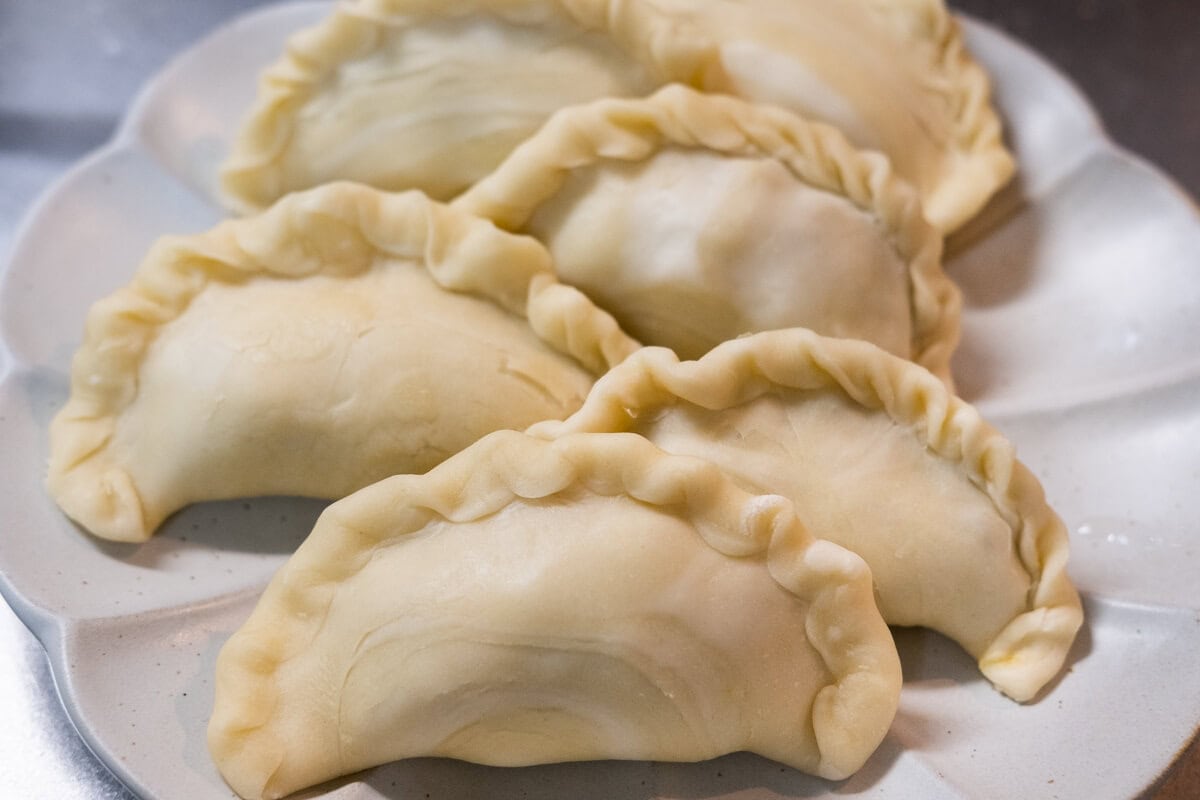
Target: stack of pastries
692,249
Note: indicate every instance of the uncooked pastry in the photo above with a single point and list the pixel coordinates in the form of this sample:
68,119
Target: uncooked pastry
530,602
432,94
424,94
696,218
342,336
879,457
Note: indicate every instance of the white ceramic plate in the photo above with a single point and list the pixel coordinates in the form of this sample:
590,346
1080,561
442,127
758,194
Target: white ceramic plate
1082,341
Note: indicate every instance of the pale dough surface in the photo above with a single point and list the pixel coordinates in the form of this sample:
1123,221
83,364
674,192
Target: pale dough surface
696,218
879,457
530,602
433,95
342,336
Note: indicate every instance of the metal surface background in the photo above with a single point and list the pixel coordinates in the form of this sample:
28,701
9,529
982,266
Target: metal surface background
69,68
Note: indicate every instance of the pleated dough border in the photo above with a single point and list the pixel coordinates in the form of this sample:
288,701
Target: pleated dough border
336,229
982,163
1031,649
978,161
851,715
818,155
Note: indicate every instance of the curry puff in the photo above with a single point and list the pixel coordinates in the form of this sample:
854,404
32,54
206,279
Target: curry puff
432,94
342,336
531,602
879,457
696,218
423,94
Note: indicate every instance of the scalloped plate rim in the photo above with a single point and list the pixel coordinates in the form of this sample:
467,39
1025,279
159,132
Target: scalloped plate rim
53,630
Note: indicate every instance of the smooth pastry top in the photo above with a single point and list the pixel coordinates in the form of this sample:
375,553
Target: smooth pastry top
343,336
432,95
529,602
696,218
879,457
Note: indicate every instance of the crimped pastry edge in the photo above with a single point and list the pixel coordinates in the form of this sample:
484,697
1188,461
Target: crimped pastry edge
979,163
816,154
462,253
985,164
1032,648
505,467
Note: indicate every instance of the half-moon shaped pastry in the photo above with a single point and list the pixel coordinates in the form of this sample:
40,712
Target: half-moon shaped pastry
530,602
418,94
879,457
432,95
696,218
342,336
893,76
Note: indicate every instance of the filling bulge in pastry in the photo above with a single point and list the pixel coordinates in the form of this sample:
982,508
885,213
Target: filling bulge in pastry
893,76
531,602
695,218
882,459
342,336
417,95
432,95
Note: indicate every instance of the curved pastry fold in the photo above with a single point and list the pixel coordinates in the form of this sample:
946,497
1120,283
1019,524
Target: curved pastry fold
342,336
696,218
879,457
531,602
417,94
432,95
893,76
